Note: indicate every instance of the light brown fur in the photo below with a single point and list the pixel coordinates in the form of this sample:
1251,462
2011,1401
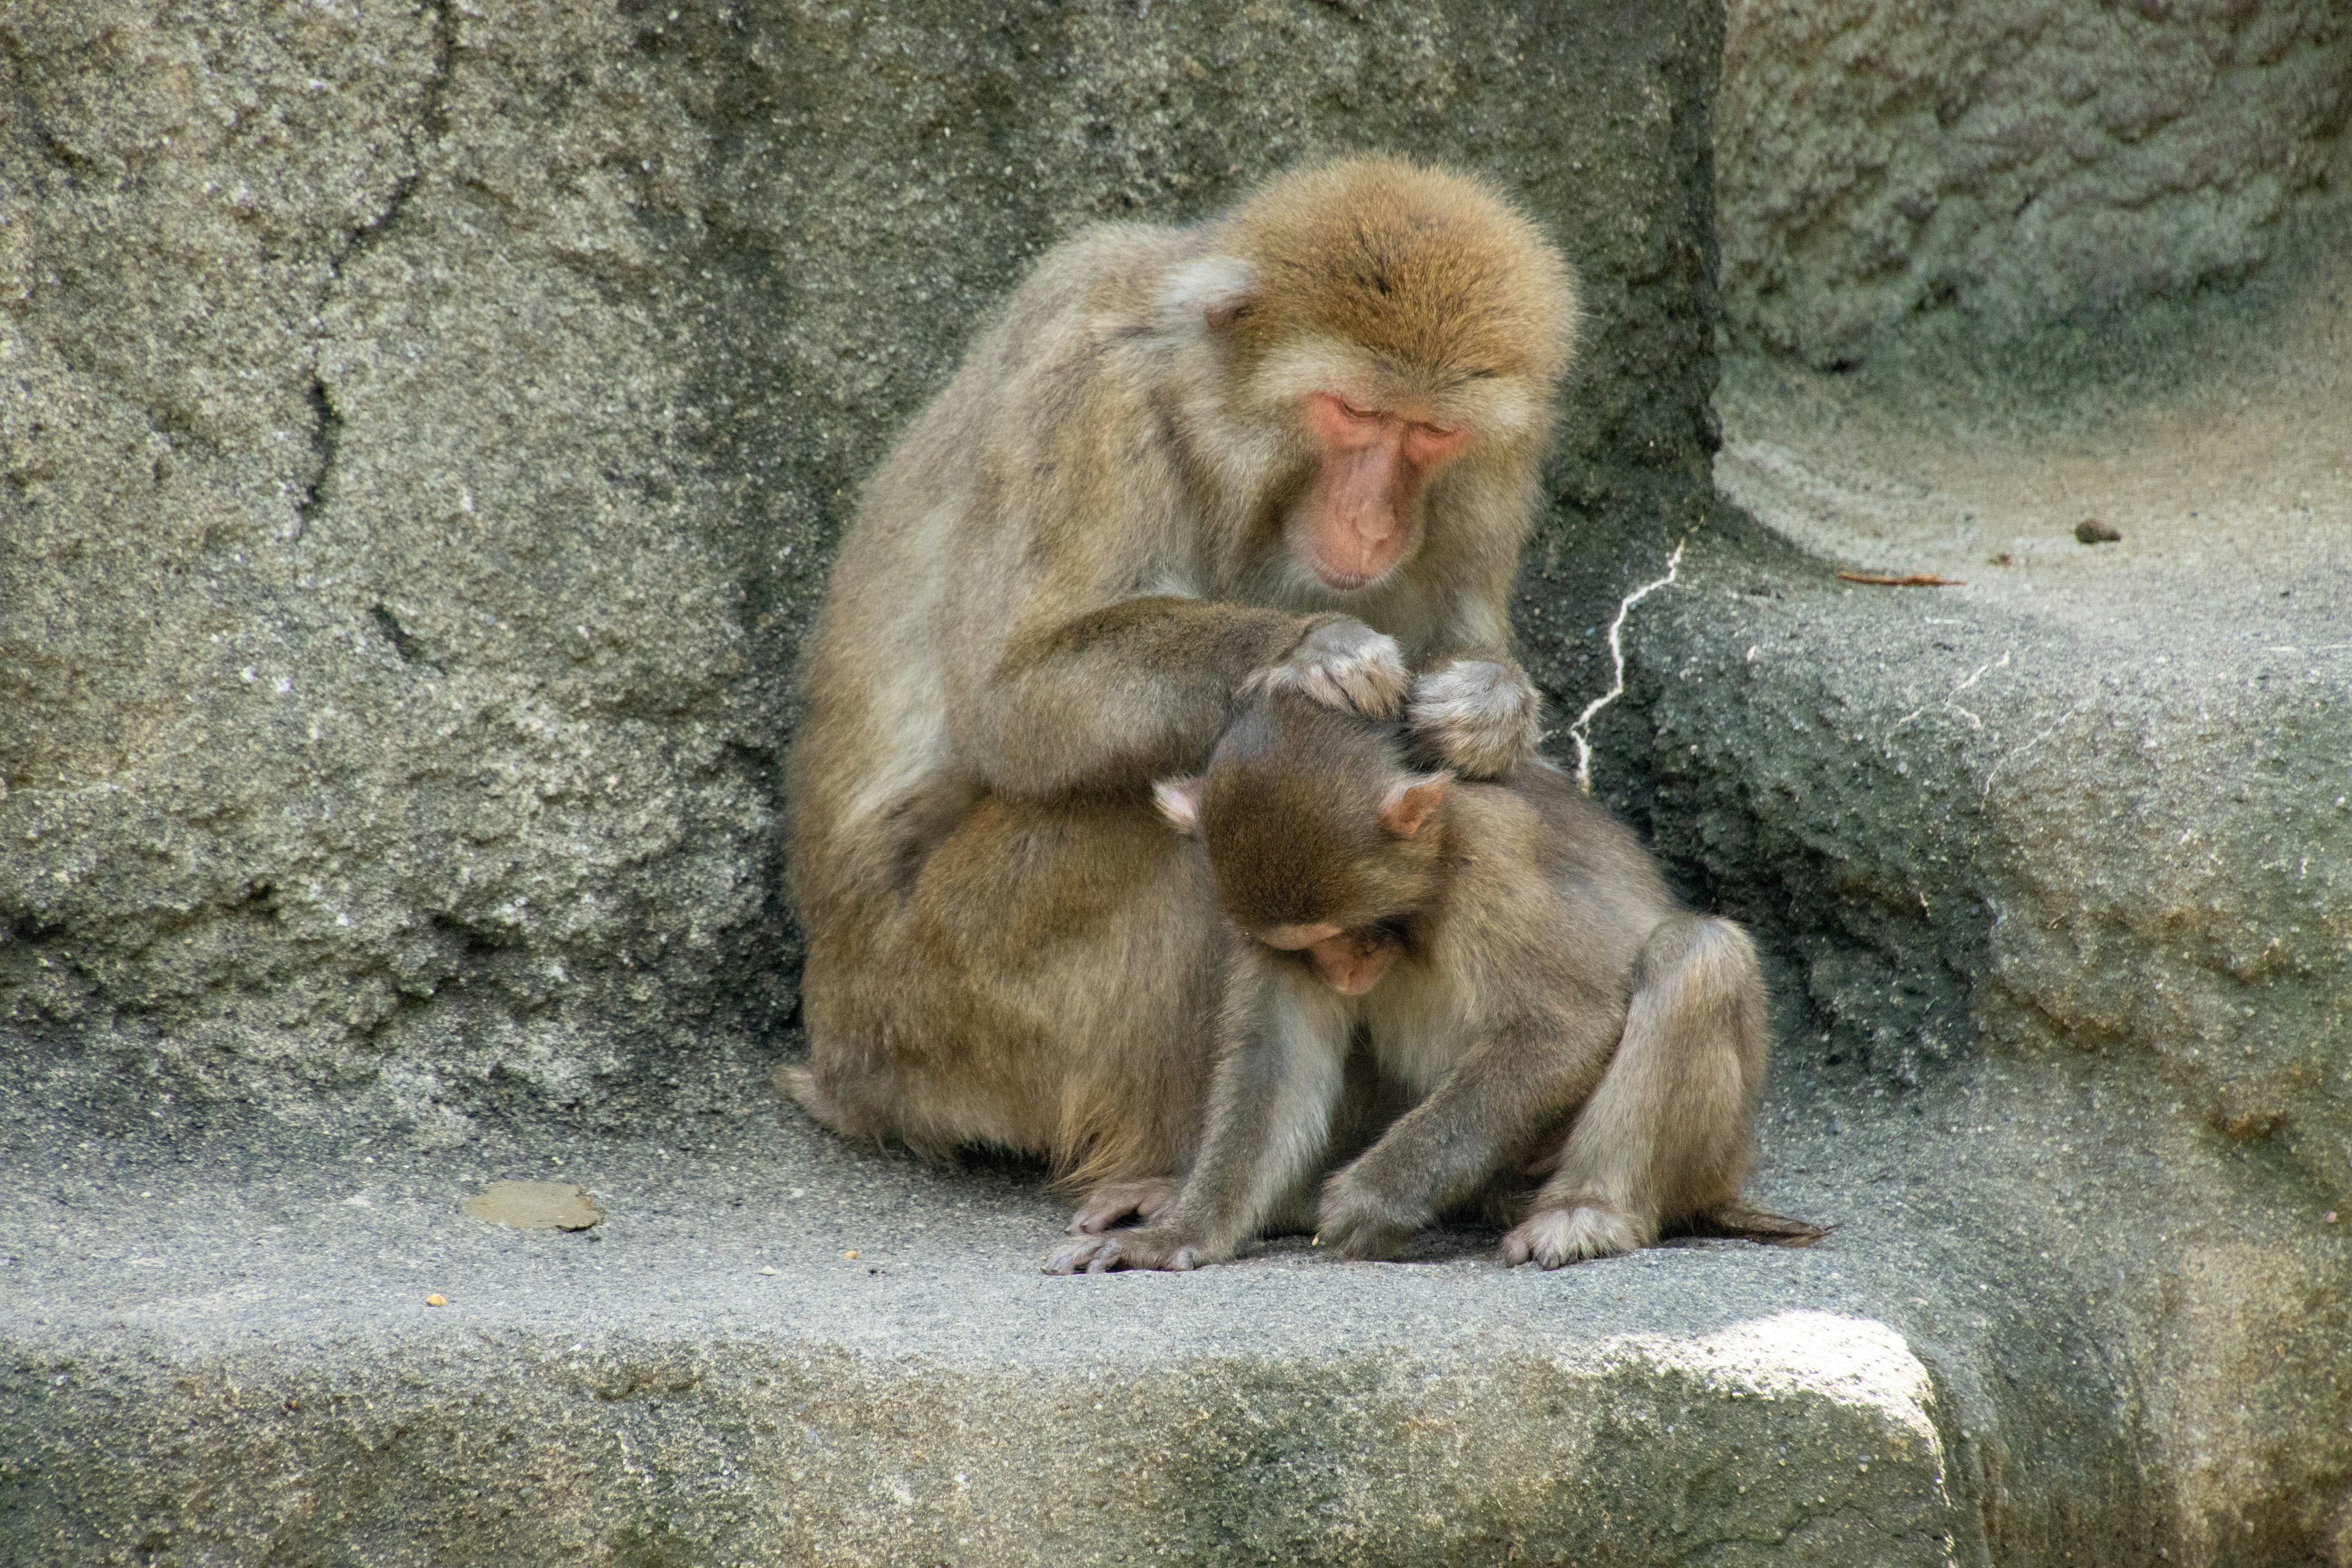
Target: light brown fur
1548,1005
1054,588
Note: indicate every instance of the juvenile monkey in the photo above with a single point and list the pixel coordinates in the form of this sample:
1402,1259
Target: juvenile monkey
1506,952
1303,436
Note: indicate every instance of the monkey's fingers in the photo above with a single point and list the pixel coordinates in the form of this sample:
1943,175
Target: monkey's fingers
1480,716
1347,665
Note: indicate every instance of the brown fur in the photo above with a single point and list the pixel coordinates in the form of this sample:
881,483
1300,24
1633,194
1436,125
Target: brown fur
1551,1006
1056,585
1344,250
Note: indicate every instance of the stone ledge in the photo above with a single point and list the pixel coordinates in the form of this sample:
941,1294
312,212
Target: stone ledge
232,1358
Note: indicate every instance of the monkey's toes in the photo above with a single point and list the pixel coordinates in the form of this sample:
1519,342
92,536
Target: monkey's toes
1074,1257
1555,1236
1114,1202
1359,1228
1122,1249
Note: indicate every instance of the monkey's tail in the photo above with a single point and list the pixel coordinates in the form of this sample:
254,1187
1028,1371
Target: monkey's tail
1745,1222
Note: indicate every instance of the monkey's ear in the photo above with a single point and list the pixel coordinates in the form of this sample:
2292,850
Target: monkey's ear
1179,801
1213,291
1410,801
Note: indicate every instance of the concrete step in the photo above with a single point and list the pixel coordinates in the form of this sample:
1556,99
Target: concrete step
2076,823
218,1348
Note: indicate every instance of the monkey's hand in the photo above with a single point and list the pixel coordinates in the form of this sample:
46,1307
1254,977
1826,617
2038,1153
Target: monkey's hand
1112,1202
1360,1220
1344,663
1478,715
1147,1246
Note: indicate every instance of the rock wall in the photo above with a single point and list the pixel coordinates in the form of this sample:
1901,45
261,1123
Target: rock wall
423,429
2016,161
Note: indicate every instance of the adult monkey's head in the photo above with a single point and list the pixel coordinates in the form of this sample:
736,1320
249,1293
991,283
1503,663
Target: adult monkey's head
1388,333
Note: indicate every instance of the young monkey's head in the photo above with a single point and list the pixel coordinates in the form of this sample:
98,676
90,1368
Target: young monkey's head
1315,833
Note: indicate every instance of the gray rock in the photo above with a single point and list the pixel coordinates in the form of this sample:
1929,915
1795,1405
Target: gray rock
778,1349
424,432
2017,165
2069,842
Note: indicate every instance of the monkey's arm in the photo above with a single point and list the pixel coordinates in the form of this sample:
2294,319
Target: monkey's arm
1141,688
1268,1121
1482,1112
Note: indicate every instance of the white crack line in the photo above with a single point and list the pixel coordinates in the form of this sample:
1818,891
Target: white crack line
1580,731
1949,706
2057,724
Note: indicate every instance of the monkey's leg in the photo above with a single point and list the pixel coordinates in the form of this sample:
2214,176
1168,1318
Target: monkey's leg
1278,1077
1668,1133
1045,982
1369,1101
1481,1115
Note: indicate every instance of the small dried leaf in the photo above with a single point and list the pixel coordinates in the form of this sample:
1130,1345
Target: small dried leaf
534,1206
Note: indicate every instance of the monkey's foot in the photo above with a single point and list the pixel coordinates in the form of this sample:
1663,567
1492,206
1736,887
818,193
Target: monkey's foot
1356,1220
1553,1237
1114,1202
1344,663
801,1084
1151,1246
1480,716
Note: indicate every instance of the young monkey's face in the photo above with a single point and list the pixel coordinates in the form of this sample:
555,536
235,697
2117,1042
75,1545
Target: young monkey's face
1351,962
1315,837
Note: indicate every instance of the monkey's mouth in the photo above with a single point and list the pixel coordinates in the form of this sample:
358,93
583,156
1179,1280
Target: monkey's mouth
1341,580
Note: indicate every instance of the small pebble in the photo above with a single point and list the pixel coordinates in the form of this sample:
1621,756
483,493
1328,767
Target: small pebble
849,1257
435,1300
767,1270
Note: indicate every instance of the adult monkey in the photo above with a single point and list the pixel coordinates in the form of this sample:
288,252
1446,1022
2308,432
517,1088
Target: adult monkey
1297,442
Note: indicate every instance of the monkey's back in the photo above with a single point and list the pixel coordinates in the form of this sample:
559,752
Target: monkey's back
1563,884
1026,439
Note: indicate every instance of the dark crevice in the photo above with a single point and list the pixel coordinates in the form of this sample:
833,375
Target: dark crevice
29,114
411,652
474,941
431,126
326,440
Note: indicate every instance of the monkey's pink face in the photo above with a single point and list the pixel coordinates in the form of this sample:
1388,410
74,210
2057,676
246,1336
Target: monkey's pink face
1358,521
1351,962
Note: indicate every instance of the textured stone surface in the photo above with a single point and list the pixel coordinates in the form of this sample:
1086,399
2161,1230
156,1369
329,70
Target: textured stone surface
2070,836
2015,161
216,1347
423,433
